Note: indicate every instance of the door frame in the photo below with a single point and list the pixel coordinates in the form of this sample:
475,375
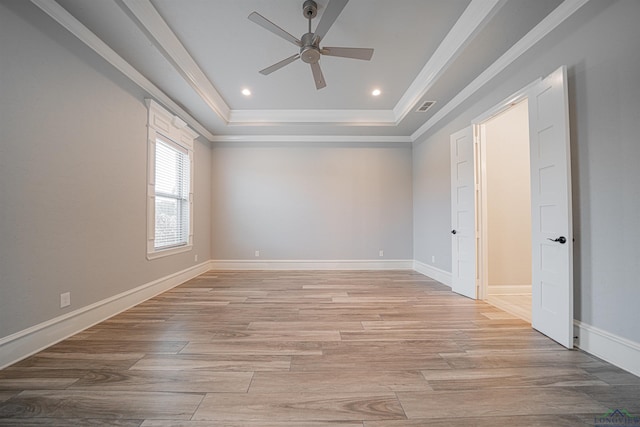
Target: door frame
479,133
543,273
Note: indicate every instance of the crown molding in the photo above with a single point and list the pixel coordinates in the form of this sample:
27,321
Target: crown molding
313,138
75,27
472,20
544,27
477,13
338,117
159,33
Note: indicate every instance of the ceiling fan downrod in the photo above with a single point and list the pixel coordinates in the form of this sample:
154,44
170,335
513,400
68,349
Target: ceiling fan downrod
309,51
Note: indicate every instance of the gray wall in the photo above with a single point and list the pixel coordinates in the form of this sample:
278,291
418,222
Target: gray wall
72,176
73,162
311,201
599,44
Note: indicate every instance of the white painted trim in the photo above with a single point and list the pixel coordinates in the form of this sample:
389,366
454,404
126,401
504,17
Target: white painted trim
477,13
75,27
435,273
312,138
506,103
467,26
391,264
472,20
509,290
336,117
22,344
174,51
482,210
555,18
162,124
480,138
513,309
616,350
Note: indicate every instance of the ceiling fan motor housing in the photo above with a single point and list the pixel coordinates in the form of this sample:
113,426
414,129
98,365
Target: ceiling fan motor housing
309,53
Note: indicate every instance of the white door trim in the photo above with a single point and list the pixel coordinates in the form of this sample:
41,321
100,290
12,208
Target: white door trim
479,129
543,322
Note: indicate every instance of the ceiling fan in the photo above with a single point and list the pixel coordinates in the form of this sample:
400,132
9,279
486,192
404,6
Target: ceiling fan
309,43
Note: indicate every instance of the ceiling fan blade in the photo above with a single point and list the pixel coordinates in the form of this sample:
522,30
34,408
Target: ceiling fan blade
270,26
348,52
280,64
329,16
317,76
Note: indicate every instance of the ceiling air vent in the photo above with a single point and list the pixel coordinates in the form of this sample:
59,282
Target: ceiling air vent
425,106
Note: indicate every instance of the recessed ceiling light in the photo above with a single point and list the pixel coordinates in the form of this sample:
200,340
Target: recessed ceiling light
376,92
246,92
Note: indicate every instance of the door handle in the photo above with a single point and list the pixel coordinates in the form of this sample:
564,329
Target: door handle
453,231
562,240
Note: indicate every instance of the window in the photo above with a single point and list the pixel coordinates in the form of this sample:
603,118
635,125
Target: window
172,195
170,184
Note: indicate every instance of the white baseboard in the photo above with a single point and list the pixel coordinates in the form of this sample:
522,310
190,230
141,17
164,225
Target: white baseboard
433,272
20,345
13,348
521,312
390,264
616,350
509,289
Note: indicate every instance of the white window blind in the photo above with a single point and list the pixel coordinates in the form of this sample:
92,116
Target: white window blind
172,186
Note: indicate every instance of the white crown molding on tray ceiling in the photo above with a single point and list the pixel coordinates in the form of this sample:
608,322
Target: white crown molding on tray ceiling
470,22
75,27
375,139
336,117
544,27
174,51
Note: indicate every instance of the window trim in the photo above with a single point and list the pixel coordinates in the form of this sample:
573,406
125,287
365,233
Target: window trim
164,125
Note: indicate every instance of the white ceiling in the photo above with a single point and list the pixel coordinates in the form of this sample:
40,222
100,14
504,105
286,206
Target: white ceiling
195,57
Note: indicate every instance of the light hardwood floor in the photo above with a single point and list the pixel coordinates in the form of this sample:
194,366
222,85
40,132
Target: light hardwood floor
518,305
312,349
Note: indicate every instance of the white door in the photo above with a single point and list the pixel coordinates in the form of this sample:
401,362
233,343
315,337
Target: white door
463,209
552,237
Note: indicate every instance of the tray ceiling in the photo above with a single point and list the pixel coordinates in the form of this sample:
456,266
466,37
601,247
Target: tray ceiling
196,56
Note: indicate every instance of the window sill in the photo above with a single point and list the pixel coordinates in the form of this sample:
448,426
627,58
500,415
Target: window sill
168,252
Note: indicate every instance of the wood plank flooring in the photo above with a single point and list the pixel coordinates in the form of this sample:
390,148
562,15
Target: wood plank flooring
518,305
312,349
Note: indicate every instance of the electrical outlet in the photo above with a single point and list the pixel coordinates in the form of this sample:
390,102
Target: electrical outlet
433,258
381,253
65,299
195,257
257,254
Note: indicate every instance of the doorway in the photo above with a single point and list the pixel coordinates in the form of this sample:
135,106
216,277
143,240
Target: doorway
505,210
550,198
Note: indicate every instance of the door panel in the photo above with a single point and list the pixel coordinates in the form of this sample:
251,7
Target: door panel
552,260
463,221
